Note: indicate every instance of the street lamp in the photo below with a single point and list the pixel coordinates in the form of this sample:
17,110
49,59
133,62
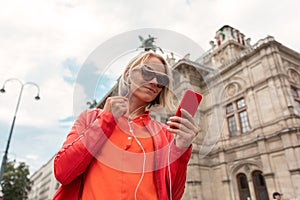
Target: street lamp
37,97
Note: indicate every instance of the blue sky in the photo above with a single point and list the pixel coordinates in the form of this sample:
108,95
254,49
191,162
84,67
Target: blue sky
48,41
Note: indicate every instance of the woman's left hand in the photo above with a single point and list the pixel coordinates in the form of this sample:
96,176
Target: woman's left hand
184,127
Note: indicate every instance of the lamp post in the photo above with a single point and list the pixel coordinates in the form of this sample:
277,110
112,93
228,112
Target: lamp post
37,97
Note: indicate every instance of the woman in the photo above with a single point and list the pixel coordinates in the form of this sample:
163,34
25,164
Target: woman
120,152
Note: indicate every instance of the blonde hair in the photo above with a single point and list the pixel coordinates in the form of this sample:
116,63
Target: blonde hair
165,97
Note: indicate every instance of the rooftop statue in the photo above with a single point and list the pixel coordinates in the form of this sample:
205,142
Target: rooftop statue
148,45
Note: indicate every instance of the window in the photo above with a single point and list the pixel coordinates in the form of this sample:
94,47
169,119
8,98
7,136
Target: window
232,125
231,119
259,184
295,93
237,117
244,121
229,109
243,187
243,182
260,187
240,103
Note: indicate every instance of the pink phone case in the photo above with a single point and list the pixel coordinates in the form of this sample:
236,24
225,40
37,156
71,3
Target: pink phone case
190,102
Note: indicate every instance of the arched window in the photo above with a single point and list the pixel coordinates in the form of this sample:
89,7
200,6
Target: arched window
243,186
260,187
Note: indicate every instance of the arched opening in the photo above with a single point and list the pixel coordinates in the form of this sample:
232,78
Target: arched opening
243,187
260,187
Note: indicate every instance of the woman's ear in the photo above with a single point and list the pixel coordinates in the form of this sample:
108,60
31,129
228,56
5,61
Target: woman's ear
126,74
126,78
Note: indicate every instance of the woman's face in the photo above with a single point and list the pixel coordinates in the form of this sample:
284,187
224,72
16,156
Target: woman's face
143,90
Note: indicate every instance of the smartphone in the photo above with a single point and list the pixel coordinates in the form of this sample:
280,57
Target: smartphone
190,102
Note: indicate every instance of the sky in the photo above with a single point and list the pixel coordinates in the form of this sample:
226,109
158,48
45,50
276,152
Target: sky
48,41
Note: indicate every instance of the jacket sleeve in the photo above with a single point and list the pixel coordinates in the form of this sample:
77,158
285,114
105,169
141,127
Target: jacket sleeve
88,134
178,170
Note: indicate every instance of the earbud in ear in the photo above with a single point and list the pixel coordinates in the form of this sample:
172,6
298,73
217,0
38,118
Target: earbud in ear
125,92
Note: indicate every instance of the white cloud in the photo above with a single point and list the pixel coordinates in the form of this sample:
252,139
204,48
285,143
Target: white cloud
32,157
55,103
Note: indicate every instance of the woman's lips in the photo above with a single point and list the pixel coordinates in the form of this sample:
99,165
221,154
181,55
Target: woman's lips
151,89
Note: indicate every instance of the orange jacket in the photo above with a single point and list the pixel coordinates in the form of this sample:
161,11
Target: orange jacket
91,130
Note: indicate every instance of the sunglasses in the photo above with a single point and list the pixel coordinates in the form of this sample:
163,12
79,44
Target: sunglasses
148,75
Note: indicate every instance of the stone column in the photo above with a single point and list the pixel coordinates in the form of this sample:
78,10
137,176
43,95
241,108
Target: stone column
295,176
251,188
254,117
193,177
225,179
270,182
292,163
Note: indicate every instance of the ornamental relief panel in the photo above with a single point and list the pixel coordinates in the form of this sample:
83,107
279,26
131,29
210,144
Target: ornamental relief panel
294,76
232,89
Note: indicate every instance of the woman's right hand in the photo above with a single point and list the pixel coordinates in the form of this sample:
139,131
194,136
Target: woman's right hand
116,105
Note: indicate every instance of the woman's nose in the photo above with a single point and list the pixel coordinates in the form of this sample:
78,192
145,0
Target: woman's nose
153,81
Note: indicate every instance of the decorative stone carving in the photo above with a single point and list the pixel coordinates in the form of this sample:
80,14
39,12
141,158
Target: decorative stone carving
231,90
294,76
247,168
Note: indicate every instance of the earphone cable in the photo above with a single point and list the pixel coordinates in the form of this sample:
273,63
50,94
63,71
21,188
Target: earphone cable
144,160
140,145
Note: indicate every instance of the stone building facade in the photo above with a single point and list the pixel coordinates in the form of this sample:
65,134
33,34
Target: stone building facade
254,98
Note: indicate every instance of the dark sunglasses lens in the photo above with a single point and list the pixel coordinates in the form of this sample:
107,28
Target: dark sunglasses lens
162,80
147,75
